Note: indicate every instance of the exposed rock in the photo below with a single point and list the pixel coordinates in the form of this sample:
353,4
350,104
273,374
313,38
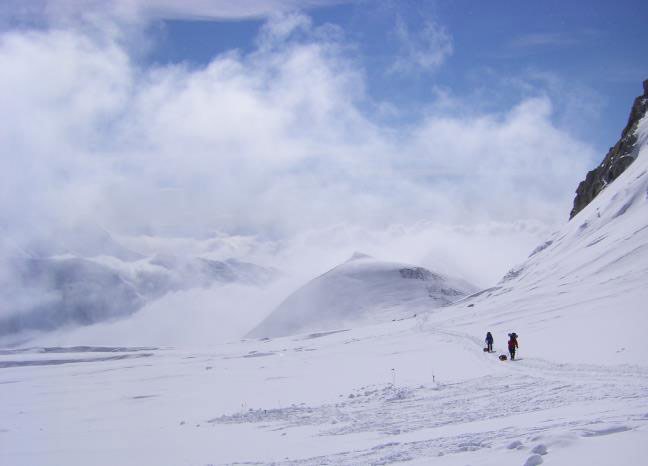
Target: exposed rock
416,273
617,159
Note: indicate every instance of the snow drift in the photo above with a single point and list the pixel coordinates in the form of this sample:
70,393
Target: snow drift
361,290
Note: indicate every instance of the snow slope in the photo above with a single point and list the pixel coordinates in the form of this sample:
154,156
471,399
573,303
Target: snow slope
582,295
361,290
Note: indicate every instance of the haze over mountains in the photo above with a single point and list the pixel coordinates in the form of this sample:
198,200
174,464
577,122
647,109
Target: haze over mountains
69,290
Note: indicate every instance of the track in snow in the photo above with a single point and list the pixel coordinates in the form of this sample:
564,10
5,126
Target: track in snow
610,399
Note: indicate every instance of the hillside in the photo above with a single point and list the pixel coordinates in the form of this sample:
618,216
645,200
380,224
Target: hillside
360,291
581,295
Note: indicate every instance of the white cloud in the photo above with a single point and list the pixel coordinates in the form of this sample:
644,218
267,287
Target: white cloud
224,9
274,143
423,50
67,12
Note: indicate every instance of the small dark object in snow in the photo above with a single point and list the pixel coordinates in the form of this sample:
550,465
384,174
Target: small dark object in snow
485,350
502,357
471,305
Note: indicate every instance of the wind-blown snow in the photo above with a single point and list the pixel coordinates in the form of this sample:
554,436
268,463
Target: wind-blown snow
362,290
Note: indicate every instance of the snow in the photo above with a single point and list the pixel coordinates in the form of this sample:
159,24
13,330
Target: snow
359,291
322,399
586,288
418,389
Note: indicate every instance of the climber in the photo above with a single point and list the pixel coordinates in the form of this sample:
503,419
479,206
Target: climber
489,342
512,344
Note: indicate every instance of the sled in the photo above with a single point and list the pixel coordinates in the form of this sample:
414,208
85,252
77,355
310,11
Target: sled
502,357
486,350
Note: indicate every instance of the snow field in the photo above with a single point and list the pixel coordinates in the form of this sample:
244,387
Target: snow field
315,399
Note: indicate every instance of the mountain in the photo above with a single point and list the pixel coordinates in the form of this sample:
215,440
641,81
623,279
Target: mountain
619,157
70,290
361,290
581,294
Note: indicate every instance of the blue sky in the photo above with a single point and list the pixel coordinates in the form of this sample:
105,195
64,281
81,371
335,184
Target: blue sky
589,56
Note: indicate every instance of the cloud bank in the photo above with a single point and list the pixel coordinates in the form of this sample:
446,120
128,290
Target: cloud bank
271,141
279,143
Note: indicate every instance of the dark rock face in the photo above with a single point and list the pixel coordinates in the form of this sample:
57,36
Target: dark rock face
417,273
617,159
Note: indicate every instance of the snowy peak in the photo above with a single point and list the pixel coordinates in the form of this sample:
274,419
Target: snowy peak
360,291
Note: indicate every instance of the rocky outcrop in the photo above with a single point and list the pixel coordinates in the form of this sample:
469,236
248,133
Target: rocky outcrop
617,159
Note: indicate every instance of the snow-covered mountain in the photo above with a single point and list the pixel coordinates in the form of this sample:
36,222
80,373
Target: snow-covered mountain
581,294
361,290
68,290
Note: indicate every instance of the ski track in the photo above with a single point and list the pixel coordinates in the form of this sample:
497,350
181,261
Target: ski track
615,395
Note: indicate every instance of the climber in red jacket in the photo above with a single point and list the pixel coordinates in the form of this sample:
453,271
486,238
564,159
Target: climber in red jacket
512,344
